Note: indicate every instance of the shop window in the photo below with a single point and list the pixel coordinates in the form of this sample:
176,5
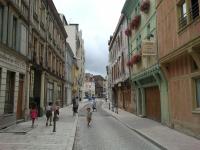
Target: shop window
49,92
59,93
9,96
197,82
32,77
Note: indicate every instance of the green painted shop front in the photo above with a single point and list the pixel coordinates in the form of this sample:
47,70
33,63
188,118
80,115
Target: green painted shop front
152,95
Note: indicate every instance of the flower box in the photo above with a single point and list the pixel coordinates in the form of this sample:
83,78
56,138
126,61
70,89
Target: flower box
136,22
145,5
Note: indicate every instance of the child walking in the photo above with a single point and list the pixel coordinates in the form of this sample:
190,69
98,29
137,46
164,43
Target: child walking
89,117
33,114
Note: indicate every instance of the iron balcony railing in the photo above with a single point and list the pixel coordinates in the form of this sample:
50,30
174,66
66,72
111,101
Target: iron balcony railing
189,16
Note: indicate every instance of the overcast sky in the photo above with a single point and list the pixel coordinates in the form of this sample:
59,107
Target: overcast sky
97,19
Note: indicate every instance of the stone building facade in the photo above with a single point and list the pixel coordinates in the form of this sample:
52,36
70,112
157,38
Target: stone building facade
32,57
76,43
178,26
69,62
89,85
148,82
13,51
118,56
46,68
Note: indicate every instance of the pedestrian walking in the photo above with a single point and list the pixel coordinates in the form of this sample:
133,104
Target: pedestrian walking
89,117
33,114
94,105
75,105
49,110
55,116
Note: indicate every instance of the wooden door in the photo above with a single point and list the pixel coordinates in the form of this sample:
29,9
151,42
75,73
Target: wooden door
153,110
20,99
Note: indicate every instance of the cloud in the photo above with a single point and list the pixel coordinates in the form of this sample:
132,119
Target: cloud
97,19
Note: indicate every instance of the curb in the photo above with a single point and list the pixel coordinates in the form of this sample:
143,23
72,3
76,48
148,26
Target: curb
137,131
72,136
73,133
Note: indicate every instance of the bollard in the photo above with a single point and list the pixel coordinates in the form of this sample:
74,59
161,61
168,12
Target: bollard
109,106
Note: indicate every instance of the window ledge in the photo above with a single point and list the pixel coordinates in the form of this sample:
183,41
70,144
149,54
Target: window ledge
196,111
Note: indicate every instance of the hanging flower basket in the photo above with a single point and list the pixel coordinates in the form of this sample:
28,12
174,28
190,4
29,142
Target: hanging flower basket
136,58
145,5
128,32
136,22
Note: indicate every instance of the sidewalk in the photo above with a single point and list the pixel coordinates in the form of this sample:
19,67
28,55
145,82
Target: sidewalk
23,137
158,134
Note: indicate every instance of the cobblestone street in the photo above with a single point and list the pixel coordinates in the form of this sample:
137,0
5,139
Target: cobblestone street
106,133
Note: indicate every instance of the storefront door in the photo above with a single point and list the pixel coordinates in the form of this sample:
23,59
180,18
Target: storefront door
152,97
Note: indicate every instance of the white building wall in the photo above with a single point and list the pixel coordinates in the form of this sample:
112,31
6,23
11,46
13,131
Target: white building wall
71,39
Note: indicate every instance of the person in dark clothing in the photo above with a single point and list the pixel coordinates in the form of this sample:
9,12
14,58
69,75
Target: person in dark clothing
75,105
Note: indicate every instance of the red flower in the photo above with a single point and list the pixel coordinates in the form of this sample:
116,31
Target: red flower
135,22
145,5
128,32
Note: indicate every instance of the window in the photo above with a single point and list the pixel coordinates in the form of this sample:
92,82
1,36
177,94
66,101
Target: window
59,93
34,49
49,92
35,6
31,83
183,14
41,49
49,59
14,33
42,13
24,9
1,21
188,11
9,96
148,31
24,40
194,8
197,93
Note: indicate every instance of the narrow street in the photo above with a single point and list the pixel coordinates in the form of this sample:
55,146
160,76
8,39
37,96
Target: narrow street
106,133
